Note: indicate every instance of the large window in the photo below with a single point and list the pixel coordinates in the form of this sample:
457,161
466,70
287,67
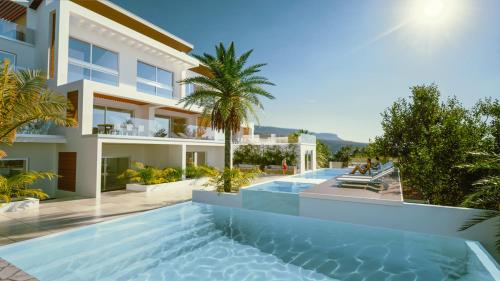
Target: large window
108,120
197,158
90,62
10,167
153,80
161,126
8,57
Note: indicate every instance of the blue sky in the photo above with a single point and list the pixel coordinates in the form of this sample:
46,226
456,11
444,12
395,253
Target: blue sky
338,64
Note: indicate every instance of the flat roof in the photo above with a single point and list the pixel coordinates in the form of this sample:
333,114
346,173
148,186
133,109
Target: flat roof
132,21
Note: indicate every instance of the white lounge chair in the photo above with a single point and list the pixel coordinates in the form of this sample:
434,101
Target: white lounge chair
365,180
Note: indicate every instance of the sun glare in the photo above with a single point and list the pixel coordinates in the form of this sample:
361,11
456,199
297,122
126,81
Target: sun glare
434,9
432,13
431,23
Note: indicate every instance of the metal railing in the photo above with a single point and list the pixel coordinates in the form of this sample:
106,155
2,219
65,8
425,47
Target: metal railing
150,128
17,32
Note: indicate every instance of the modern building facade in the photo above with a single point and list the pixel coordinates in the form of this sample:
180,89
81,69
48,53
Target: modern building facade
120,73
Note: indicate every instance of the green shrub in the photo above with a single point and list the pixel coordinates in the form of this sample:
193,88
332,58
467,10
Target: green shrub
265,155
150,175
237,177
195,172
18,185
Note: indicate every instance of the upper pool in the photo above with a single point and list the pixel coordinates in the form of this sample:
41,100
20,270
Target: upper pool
323,174
193,241
281,186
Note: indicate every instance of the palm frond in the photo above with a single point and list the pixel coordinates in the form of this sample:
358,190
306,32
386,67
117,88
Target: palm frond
486,215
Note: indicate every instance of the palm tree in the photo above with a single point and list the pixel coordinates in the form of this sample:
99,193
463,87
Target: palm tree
487,194
24,99
229,96
17,186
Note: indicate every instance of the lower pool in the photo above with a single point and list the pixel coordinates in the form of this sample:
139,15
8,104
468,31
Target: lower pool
194,241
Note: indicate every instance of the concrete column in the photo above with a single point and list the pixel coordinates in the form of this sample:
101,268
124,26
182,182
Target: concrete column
88,168
62,43
178,88
314,158
302,160
85,104
183,159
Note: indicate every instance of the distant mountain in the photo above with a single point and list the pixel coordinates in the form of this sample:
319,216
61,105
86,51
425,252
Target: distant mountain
333,141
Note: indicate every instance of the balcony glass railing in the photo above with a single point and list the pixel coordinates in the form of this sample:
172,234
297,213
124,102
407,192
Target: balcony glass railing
257,139
17,32
149,128
307,138
36,128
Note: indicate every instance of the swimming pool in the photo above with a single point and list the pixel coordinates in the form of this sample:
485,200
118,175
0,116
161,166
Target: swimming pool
281,186
323,174
276,196
193,241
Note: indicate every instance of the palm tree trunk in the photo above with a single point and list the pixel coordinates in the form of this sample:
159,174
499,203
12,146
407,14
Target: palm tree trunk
228,161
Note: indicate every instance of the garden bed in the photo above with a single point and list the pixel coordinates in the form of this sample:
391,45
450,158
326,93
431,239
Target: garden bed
20,205
169,185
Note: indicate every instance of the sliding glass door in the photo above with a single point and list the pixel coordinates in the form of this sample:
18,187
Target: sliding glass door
111,168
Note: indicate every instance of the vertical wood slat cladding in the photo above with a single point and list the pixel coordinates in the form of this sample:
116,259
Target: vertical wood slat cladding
73,112
67,171
52,47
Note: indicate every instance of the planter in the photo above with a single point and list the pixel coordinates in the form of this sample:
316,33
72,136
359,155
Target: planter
192,183
218,198
335,164
19,206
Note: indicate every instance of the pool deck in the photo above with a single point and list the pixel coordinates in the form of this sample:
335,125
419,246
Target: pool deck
62,214
390,192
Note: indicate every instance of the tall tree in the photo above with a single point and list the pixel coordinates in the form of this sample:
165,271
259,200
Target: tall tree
24,99
230,95
430,138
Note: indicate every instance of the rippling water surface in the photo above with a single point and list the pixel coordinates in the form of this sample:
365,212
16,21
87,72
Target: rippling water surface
193,241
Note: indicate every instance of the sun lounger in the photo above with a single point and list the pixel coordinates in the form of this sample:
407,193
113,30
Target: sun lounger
366,180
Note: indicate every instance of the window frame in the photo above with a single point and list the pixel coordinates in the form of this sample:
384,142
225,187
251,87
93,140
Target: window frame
105,109
25,159
94,67
12,54
154,84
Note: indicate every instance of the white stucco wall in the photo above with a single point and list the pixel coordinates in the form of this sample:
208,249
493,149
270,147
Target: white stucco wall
25,53
440,220
42,157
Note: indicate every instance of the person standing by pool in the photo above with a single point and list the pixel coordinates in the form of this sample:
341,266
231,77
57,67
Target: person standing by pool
284,166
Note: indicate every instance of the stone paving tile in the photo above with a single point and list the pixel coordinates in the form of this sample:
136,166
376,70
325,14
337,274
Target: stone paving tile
56,215
9,272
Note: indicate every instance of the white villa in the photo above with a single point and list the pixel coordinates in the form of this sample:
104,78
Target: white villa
120,72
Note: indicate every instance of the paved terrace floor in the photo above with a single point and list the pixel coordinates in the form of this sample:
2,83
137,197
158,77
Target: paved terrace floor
62,214
389,191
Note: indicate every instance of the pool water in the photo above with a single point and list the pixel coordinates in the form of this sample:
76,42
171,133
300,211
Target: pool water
281,186
193,241
276,196
323,174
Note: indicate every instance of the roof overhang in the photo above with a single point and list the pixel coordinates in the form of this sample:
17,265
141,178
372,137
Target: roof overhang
10,10
202,70
128,19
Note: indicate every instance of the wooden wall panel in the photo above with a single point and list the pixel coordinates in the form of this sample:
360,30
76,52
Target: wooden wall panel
67,171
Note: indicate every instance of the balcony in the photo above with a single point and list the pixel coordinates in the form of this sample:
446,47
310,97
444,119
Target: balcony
273,139
37,128
137,127
16,32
